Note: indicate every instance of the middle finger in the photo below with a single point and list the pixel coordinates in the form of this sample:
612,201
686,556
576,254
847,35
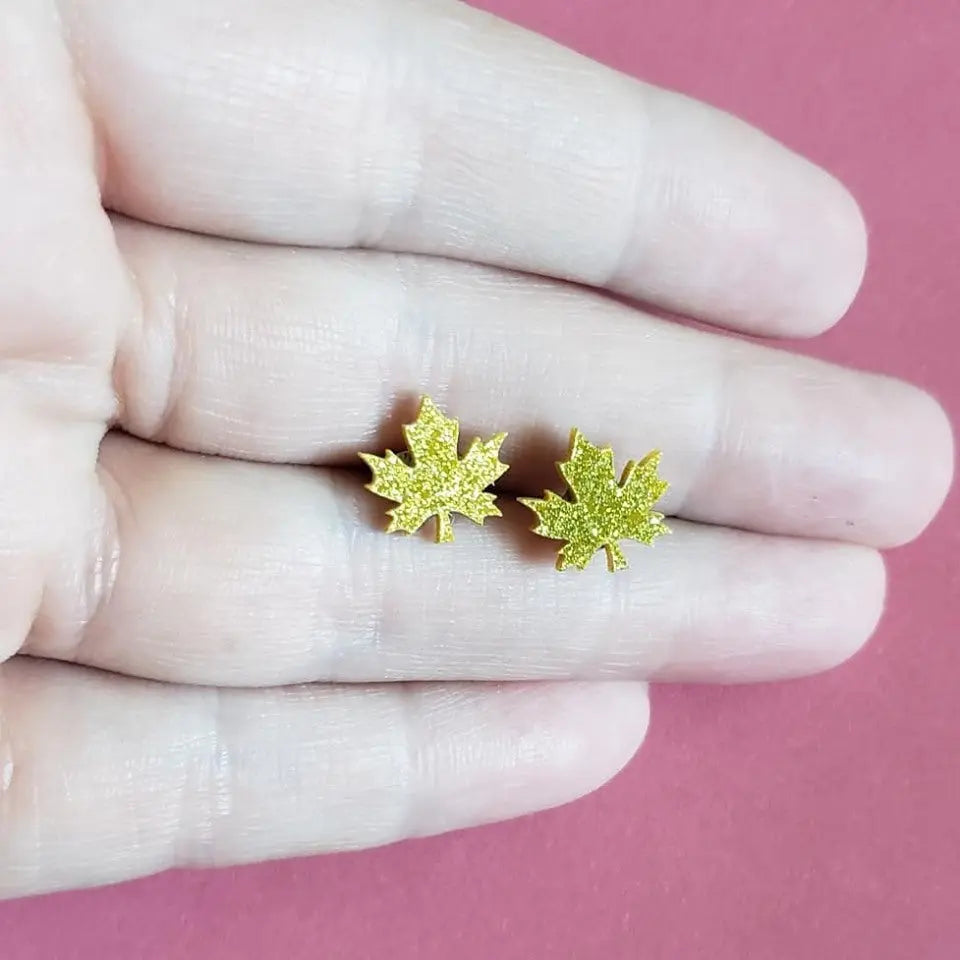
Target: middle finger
311,356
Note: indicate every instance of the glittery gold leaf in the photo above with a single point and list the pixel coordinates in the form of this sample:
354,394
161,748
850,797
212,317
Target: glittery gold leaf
600,512
431,479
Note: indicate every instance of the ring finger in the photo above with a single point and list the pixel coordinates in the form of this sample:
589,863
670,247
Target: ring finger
228,573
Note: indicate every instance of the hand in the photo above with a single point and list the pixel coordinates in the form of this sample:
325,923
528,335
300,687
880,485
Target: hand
318,211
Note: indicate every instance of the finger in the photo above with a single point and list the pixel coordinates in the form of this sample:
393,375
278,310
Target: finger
247,574
431,127
106,778
313,356
62,286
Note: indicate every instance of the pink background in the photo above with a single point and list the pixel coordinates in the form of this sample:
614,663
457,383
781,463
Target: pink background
811,819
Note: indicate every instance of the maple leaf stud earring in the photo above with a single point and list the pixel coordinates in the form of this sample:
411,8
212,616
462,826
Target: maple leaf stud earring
431,480
598,511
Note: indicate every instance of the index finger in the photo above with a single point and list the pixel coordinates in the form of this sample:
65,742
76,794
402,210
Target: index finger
425,126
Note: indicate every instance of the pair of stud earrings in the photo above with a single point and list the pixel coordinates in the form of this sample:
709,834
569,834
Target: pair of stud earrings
431,479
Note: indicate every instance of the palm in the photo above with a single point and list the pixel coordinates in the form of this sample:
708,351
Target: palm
467,157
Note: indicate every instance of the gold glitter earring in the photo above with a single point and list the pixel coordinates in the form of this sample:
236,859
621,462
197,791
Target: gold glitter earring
597,511
430,480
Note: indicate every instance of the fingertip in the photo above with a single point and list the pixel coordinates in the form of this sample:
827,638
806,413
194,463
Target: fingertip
623,719
788,608
841,248
498,751
832,612
817,257
858,599
925,465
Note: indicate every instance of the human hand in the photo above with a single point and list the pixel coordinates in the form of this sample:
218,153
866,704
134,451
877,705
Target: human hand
211,547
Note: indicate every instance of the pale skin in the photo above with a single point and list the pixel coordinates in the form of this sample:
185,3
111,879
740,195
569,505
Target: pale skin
183,191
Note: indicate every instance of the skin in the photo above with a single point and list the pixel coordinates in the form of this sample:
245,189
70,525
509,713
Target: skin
195,648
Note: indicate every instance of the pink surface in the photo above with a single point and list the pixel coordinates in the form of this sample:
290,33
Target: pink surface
810,819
